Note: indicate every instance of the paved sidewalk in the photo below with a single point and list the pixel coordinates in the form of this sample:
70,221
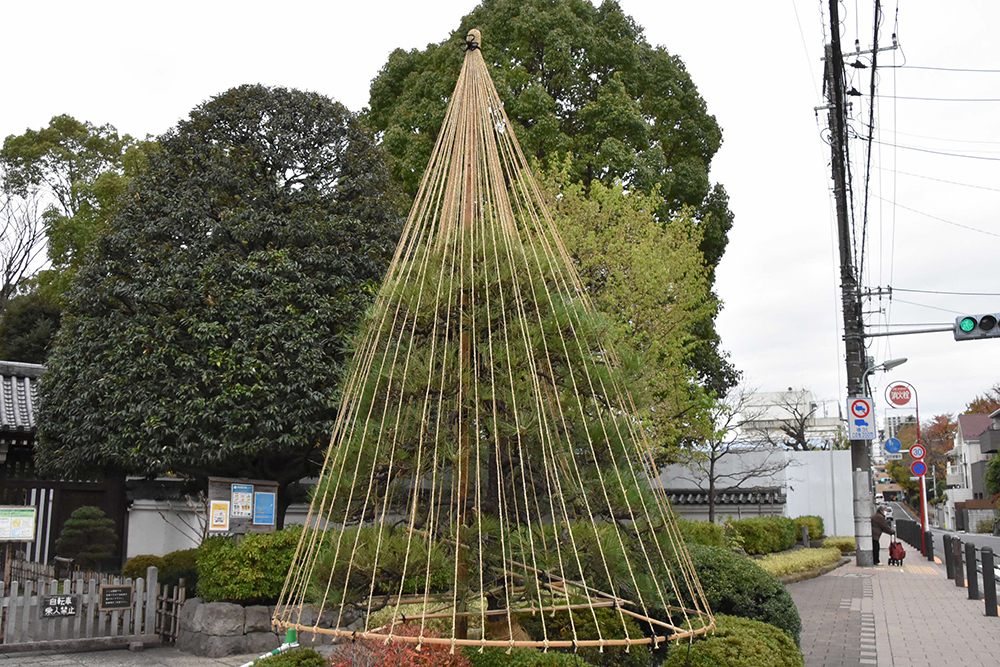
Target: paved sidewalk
151,657
910,616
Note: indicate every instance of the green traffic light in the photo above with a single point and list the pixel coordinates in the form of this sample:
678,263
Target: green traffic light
967,324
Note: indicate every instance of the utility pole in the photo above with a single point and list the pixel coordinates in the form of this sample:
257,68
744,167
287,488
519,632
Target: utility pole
850,295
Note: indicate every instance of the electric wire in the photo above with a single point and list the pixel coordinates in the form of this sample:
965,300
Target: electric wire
940,219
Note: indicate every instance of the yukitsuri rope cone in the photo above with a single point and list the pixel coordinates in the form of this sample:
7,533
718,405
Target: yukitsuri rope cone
488,470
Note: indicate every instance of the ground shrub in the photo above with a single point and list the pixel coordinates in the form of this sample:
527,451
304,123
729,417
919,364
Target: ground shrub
558,627
377,653
845,544
251,572
984,526
802,560
738,642
179,565
702,532
758,535
786,530
815,525
297,657
523,657
136,566
737,586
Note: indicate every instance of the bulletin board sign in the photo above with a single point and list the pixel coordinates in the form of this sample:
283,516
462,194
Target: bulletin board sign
17,523
218,513
250,505
116,598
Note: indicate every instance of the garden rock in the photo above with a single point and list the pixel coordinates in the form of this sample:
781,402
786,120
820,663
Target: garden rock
258,619
219,619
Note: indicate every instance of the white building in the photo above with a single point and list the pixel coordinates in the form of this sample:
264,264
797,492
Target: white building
772,414
966,467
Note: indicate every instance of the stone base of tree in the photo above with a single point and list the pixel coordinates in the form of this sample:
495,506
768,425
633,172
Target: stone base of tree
218,629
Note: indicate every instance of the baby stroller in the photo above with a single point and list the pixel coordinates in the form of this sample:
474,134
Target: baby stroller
896,553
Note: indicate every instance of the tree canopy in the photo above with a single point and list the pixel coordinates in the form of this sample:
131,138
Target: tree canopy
583,82
207,332
985,403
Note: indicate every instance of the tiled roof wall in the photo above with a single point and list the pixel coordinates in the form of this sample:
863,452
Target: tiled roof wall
19,395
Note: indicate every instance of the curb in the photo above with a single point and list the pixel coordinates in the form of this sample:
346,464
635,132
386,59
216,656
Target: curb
812,574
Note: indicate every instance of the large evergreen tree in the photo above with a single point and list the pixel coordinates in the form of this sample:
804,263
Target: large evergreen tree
582,81
207,333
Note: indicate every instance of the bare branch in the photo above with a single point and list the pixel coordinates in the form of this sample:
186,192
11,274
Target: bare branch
22,240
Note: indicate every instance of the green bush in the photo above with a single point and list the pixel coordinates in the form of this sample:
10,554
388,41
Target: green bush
759,536
845,544
802,560
179,565
702,532
251,572
557,627
738,642
522,657
88,537
136,566
297,657
815,525
786,530
736,585
984,526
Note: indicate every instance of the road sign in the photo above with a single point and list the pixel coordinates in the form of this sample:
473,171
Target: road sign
918,468
893,445
917,451
861,419
894,457
899,395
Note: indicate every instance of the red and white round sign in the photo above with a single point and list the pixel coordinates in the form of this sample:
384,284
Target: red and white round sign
899,395
917,451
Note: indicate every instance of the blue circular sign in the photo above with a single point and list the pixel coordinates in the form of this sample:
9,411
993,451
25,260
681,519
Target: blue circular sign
918,468
893,445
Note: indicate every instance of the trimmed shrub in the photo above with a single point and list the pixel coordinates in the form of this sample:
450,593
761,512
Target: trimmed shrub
297,657
815,525
786,531
738,642
984,526
558,627
759,536
88,537
251,572
845,544
702,532
802,560
736,585
136,566
522,657
179,565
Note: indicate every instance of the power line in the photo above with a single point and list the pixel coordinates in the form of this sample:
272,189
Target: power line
927,150
948,69
939,180
927,291
941,99
924,305
934,217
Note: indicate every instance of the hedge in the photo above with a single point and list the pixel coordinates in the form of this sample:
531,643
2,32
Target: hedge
557,627
136,566
702,532
297,657
736,585
738,642
251,572
765,534
802,560
523,657
815,525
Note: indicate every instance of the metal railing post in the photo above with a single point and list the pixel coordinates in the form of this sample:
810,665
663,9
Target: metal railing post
949,566
971,576
989,582
929,539
956,545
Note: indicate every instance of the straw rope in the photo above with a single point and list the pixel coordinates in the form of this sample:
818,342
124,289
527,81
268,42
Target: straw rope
486,422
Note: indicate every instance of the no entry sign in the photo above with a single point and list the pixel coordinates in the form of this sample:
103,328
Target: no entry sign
899,395
918,468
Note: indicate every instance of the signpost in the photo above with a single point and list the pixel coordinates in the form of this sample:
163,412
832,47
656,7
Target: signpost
116,597
59,606
861,422
899,395
898,456
893,445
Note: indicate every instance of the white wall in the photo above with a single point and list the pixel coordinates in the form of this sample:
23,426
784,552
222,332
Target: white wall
820,484
158,527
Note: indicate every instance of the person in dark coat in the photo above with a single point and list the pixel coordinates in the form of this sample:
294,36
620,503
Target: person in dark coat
879,525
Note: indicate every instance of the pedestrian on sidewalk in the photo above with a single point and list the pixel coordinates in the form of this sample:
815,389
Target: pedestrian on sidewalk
879,525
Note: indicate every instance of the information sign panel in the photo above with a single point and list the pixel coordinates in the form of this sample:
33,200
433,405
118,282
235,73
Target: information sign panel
894,457
242,501
860,419
219,515
59,606
116,597
17,524
263,508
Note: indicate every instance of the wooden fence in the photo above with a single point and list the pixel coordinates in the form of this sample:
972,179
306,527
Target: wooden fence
168,611
81,613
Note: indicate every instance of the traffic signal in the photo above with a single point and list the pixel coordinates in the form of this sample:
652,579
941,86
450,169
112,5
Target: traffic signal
974,327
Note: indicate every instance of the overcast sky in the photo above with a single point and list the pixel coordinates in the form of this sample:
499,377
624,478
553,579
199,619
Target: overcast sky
143,66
